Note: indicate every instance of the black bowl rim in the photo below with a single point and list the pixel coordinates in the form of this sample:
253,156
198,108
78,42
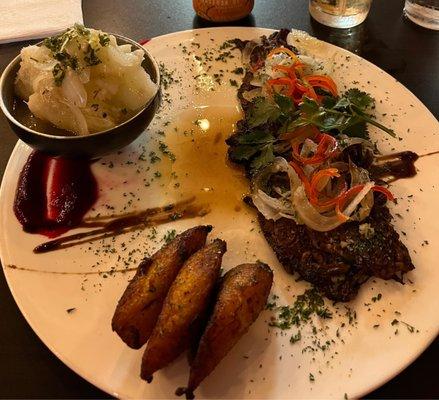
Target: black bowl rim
17,59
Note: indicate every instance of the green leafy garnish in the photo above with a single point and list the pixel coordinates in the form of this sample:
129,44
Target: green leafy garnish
104,39
347,115
91,57
284,103
262,111
256,143
169,236
256,137
307,304
58,45
260,141
265,157
58,73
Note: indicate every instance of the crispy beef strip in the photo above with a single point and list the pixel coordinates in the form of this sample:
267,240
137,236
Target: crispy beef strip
337,262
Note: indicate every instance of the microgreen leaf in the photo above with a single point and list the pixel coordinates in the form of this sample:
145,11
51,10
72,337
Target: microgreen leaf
255,137
265,157
243,152
262,111
285,103
358,98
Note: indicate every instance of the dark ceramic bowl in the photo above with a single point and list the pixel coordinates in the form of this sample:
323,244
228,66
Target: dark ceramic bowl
92,145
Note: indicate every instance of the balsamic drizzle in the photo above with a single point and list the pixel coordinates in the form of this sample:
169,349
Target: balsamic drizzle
128,222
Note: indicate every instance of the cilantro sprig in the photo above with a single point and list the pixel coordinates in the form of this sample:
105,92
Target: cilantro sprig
258,142
347,114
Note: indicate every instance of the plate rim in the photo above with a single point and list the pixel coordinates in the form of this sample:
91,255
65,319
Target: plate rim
77,370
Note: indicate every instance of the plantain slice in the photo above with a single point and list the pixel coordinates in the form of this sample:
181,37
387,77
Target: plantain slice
185,303
140,305
242,296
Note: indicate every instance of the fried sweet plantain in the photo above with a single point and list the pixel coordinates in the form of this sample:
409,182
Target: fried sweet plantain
242,296
185,303
139,307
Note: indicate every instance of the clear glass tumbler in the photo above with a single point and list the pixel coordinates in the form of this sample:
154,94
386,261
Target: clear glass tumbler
340,13
423,12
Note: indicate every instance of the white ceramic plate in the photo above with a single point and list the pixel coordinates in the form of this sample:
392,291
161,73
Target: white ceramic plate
264,364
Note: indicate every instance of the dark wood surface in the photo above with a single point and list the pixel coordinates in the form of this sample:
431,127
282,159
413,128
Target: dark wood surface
409,53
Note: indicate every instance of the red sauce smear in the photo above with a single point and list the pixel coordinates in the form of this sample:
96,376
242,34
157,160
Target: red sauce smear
54,193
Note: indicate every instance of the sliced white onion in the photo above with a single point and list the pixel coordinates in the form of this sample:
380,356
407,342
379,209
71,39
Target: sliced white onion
361,176
78,117
73,90
358,198
309,148
125,48
310,216
345,141
247,52
271,207
84,74
258,80
298,206
250,95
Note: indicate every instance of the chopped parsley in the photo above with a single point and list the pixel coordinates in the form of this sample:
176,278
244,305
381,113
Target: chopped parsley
58,73
80,35
104,39
307,304
165,150
409,327
167,77
91,57
169,236
377,297
238,71
295,338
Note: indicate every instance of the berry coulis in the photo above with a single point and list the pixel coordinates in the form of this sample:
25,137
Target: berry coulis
54,193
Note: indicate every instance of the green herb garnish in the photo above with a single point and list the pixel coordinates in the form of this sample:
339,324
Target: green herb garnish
165,150
307,304
295,338
58,46
169,236
58,73
91,57
347,114
104,39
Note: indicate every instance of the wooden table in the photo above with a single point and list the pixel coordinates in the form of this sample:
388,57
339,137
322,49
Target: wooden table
409,53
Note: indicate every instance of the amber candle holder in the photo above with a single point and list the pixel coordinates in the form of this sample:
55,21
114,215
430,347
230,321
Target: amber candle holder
223,10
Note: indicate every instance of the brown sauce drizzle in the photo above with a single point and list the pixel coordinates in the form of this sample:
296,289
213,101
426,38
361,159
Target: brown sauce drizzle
392,167
42,271
119,224
429,154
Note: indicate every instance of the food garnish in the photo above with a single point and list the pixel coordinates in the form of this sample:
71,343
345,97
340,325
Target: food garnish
83,81
53,193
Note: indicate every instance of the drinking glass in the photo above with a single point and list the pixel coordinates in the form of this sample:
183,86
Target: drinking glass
423,12
340,13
